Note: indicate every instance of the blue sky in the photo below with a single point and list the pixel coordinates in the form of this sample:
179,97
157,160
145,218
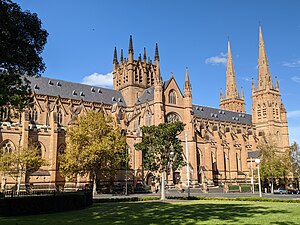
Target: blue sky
193,34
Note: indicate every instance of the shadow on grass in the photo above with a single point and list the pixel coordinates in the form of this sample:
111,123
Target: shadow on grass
169,213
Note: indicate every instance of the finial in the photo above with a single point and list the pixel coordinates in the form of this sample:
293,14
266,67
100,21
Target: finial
115,61
156,58
242,93
145,55
140,57
221,94
130,49
121,57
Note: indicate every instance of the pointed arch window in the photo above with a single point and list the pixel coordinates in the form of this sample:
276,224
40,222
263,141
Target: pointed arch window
172,97
7,147
33,115
264,111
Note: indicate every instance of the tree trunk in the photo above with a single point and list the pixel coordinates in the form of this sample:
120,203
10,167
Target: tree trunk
94,187
272,186
162,187
19,183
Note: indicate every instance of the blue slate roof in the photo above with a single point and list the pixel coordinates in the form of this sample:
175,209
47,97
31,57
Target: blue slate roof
221,115
76,91
148,95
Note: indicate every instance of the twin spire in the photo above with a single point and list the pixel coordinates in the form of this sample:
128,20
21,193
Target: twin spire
231,100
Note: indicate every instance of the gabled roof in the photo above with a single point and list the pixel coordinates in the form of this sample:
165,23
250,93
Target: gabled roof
221,115
76,91
148,95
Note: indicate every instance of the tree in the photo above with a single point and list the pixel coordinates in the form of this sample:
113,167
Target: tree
295,162
94,147
160,147
22,40
274,163
22,162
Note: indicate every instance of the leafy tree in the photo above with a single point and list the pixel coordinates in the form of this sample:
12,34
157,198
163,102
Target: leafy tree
274,163
160,147
94,147
22,162
22,40
295,161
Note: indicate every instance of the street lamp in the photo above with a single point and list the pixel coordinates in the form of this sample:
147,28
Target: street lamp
187,164
257,161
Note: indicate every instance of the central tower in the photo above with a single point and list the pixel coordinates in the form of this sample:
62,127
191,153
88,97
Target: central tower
131,76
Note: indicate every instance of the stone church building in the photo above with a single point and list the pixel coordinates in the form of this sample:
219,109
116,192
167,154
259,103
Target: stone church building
219,140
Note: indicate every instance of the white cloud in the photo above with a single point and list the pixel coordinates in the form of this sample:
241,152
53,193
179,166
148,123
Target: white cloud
294,133
247,79
293,114
296,79
97,79
219,59
293,64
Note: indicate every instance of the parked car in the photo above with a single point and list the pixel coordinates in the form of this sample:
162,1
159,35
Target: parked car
293,191
280,191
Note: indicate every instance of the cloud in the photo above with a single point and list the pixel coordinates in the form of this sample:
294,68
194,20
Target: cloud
247,79
219,59
293,64
294,133
296,79
293,114
97,79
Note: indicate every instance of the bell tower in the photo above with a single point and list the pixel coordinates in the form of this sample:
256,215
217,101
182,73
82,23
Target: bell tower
268,111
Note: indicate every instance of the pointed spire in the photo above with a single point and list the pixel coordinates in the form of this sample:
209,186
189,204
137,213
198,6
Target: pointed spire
277,85
156,57
231,89
221,95
140,57
242,93
264,76
187,83
121,57
115,61
130,49
145,55
253,86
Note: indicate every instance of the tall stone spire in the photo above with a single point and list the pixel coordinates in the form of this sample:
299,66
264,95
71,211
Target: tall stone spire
145,55
187,83
231,99
231,89
264,77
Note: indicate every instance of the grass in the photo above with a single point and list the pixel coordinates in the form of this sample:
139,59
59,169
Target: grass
170,212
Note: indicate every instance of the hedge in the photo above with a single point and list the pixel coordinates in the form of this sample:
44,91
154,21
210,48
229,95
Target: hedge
45,204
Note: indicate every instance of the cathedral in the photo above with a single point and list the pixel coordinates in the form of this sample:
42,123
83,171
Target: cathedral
218,143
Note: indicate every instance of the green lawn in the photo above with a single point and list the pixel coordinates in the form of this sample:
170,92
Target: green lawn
171,212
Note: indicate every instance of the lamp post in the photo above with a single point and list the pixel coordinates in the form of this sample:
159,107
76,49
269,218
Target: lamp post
252,177
257,161
187,165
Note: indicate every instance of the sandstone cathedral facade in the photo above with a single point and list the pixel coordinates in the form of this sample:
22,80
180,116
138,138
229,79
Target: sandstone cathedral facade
219,140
